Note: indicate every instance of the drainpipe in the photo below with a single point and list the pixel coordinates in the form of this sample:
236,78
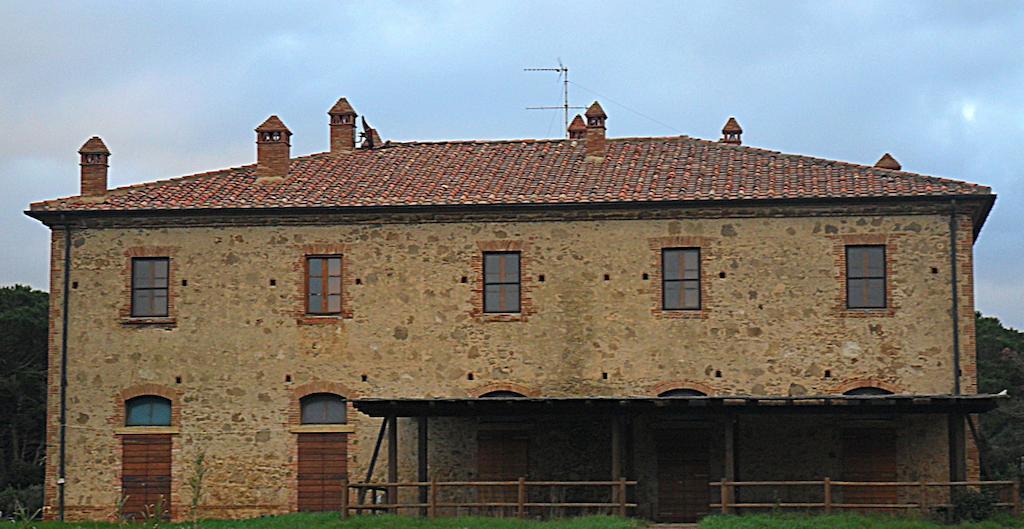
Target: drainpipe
956,300
63,367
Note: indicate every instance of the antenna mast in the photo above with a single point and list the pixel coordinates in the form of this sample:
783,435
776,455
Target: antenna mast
563,74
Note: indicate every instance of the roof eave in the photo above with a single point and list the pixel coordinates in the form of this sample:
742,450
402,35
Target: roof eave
60,216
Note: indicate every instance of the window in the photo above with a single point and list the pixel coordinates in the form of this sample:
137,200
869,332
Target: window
501,282
865,277
149,286
323,284
680,278
323,408
868,390
147,410
502,394
682,392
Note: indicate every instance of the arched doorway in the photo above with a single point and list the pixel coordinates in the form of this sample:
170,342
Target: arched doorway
323,455
684,467
503,451
869,453
146,457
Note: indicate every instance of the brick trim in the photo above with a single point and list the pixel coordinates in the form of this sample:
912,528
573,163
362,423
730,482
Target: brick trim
670,385
347,280
526,281
708,254
863,382
484,389
125,312
839,244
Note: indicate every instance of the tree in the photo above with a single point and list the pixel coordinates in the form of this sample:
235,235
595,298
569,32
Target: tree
23,348
1001,367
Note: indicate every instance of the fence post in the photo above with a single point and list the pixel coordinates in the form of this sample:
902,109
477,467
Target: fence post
521,498
622,497
344,497
724,489
432,509
828,495
1016,497
924,497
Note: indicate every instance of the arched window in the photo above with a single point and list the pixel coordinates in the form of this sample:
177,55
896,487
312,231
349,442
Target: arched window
868,390
147,410
682,392
323,408
502,394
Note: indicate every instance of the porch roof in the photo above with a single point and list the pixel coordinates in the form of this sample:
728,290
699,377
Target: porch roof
871,404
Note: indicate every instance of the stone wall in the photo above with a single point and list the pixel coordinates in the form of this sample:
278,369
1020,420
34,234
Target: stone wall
238,355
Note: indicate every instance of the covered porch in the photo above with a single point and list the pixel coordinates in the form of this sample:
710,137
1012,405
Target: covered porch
670,458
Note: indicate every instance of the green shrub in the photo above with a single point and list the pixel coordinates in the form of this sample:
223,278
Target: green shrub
29,498
971,505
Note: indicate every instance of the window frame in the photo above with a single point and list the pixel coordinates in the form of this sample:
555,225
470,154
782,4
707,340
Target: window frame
518,282
322,397
150,400
699,280
325,282
133,309
866,278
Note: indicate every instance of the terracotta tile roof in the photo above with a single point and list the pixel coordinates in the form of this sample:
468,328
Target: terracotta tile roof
525,172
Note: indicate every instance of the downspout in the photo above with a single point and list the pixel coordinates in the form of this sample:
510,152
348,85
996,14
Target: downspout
956,300
63,367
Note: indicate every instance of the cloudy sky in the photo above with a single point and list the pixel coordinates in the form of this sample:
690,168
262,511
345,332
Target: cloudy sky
175,88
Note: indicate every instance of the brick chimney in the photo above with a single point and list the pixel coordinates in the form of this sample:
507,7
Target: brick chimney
343,127
273,149
888,162
731,132
577,129
94,162
595,131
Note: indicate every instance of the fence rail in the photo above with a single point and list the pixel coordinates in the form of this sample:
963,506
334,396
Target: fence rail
728,489
518,504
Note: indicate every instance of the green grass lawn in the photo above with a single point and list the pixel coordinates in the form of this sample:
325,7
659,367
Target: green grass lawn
844,521
332,521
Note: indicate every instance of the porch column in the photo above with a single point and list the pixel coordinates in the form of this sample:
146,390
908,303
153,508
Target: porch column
957,448
616,447
729,458
393,460
421,460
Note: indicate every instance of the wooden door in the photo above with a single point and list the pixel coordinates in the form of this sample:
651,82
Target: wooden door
683,474
323,465
869,454
502,456
146,475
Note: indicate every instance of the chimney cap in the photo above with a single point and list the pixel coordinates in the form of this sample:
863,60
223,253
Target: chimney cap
732,126
888,162
342,107
595,111
577,124
94,145
273,124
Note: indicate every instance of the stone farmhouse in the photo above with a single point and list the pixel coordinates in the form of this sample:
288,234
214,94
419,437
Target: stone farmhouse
673,311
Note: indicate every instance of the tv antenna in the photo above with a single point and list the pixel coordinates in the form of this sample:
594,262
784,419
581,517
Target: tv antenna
563,74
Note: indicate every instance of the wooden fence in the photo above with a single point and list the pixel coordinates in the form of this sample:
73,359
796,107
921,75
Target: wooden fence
921,489
511,497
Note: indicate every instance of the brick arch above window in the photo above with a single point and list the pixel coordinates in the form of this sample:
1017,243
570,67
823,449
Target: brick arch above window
868,382
117,419
672,385
492,387
315,387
